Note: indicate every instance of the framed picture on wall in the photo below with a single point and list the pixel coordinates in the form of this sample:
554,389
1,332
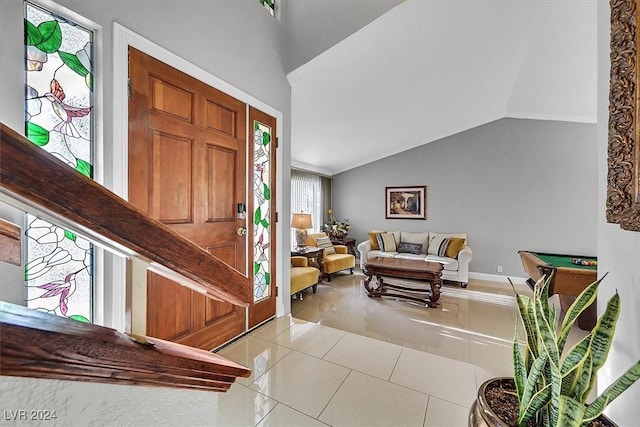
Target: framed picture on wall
406,202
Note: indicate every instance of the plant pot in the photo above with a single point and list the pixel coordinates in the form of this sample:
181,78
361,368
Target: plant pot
481,413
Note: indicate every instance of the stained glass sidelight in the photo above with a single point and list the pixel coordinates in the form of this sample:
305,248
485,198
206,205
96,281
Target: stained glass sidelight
59,118
270,5
262,212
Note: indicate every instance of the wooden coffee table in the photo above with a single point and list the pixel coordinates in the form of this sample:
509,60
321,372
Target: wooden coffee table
407,269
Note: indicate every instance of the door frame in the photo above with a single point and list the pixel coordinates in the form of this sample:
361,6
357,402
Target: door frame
122,39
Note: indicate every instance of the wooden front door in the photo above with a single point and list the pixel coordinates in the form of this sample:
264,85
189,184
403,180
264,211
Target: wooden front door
187,168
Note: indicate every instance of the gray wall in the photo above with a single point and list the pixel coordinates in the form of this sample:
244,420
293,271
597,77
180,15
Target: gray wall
619,256
315,26
511,184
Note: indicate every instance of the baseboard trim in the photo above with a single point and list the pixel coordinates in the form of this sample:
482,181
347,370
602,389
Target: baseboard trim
498,278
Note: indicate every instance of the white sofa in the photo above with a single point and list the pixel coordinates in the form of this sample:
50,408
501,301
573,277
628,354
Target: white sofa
454,269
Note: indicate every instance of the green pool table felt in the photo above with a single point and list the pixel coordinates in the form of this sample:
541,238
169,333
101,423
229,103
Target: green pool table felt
556,260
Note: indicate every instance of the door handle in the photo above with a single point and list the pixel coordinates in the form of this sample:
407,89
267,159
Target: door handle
241,231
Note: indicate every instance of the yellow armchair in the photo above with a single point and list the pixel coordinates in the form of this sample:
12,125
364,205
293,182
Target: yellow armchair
303,275
332,263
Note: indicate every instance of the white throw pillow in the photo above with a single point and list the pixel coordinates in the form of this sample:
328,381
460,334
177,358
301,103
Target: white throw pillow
438,245
387,242
325,243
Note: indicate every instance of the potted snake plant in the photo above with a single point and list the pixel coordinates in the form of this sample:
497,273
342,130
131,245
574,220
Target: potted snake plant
551,387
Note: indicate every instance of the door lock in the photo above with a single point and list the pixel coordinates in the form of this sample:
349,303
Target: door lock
241,231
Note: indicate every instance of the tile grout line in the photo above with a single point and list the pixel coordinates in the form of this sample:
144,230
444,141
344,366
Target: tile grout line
334,393
426,410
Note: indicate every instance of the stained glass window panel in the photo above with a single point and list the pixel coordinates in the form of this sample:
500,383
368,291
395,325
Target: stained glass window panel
270,5
59,118
262,212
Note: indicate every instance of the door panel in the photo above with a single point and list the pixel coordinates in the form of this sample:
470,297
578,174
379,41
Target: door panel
226,253
220,184
172,100
175,323
171,167
214,310
187,168
220,118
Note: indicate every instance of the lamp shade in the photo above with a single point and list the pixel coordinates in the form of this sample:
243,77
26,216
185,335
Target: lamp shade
301,221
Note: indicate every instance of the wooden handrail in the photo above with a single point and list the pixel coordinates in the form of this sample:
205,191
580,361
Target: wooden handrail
31,175
10,242
42,345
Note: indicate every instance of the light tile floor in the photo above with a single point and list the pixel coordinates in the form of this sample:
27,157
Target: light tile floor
344,359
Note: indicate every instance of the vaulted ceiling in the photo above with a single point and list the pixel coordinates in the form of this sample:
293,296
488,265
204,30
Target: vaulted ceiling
425,70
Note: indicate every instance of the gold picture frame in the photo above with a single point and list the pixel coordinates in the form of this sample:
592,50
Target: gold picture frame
623,157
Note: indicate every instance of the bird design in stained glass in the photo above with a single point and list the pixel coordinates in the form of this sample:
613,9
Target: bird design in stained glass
64,111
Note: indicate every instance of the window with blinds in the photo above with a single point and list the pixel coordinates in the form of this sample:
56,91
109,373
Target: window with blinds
310,193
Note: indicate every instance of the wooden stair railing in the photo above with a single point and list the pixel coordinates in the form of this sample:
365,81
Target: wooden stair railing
10,242
36,344
42,345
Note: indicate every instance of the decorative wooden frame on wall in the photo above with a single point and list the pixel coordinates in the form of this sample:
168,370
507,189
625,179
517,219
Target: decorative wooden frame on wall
405,202
623,178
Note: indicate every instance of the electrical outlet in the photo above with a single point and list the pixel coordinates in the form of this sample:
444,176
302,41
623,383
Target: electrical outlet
499,269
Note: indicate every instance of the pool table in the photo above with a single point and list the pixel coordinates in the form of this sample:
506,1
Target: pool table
568,279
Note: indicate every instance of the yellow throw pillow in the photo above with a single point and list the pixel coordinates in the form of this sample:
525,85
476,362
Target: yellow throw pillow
455,245
373,239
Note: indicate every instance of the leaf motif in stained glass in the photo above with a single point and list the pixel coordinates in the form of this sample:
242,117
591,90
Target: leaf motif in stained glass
267,278
266,192
264,223
88,79
51,36
73,62
256,125
84,168
32,35
69,235
79,318
257,216
266,138
37,134
256,267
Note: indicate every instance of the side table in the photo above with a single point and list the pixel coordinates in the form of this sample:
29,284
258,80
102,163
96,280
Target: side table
345,241
311,252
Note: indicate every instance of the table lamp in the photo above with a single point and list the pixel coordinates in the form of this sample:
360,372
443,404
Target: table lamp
301,222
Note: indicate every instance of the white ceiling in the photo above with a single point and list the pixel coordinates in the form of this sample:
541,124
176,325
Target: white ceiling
429,69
